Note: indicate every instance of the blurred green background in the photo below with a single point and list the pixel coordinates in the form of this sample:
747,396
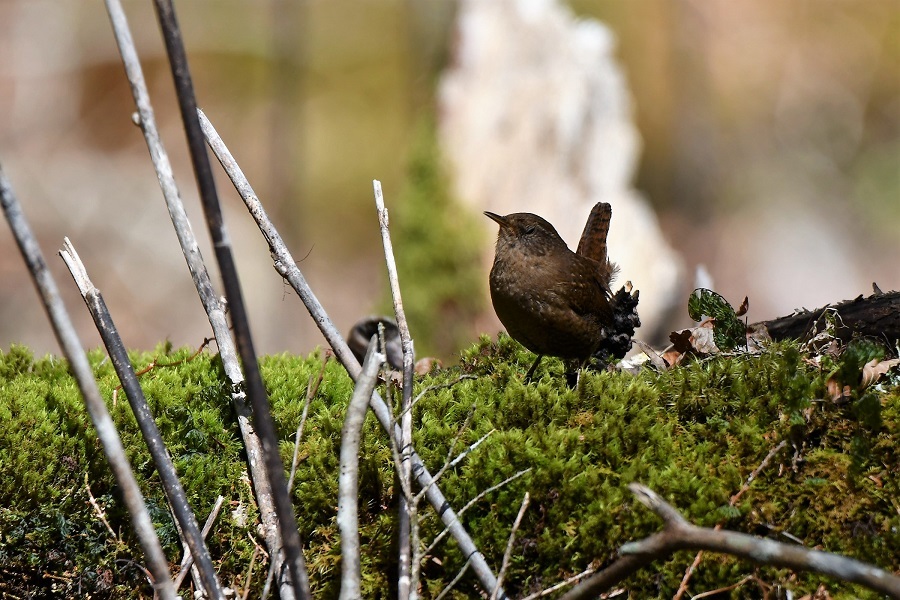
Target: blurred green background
771,152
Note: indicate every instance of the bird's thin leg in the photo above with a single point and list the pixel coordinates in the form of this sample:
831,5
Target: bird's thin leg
537,361
574,370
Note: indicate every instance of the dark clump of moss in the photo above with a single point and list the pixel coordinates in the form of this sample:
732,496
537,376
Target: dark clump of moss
692,434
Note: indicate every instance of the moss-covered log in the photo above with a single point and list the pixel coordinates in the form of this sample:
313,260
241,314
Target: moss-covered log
692,434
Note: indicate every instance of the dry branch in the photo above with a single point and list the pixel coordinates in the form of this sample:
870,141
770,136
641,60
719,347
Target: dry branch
679,534
312,387
87,385
214,310
348,478
449,587
682,588
188,528
407,579
526,500
187,560
249,578
877,316
472,503
100,513
558,586
221,243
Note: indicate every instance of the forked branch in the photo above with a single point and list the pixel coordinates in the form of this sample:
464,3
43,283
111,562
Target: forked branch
679,534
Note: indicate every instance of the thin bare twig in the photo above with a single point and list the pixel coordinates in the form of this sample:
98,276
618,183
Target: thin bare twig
250,573
449,587
468,450
526,500
407,581
765,463
682,588
187,560
99,510
410,579
413,510
186,522
727,588
679,534
214,309
405,485
155,364
348,477
561,584
263,421
437,386
286,267
295,460
472,503
87,385
450,450
312,387
139,567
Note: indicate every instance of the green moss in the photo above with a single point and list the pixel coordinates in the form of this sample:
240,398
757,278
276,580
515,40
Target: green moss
693,434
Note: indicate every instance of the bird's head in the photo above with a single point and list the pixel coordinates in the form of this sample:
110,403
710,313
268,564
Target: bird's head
526,233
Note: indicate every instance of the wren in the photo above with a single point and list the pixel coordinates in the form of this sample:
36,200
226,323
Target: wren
551,300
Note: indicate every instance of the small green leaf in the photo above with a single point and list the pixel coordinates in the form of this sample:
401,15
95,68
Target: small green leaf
730,332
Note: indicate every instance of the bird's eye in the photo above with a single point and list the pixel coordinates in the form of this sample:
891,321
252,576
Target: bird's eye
529,229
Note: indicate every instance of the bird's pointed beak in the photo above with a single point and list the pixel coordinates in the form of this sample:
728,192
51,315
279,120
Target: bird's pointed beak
495,217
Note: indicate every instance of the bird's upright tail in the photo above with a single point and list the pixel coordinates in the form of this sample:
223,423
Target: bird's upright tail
593,238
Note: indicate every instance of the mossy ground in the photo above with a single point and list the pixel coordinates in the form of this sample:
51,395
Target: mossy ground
693,434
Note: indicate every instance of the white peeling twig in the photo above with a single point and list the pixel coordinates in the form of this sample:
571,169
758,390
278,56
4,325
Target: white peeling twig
407,571
561,584
348,479
468,450
526,500
187,560
471,503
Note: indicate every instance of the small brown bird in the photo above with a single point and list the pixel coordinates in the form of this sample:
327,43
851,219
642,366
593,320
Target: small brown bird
550,299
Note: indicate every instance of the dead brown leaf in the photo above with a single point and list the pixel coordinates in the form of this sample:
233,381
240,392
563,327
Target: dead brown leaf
874,369
681,341
837,393
698,340
703,341
655,359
